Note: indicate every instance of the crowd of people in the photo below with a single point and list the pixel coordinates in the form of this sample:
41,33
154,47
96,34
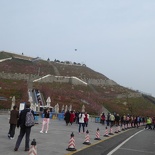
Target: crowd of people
81,118
112,119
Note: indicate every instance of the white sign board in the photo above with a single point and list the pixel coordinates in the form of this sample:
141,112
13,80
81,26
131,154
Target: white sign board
22,106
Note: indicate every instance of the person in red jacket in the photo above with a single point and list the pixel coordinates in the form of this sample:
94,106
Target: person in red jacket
72,117
86,119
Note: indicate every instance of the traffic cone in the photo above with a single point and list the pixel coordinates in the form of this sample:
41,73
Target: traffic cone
119,128
33,148
106,132
87,138
71,146
123,127
97,135
116,129
111,132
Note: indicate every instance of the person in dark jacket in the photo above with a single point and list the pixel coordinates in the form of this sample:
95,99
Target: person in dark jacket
14,115
67,117
24,130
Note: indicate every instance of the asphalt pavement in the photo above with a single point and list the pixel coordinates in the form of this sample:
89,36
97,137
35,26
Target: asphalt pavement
140,143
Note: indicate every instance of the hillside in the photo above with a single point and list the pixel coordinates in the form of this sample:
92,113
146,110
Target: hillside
18,72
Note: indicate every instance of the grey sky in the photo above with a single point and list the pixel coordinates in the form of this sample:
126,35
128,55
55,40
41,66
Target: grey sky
113,37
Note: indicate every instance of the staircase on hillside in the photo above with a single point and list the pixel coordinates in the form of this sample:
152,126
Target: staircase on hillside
55,69
36,96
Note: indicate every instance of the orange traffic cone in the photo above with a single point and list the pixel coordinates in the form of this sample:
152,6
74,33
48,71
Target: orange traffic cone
116,129
33,149
129,125
119,128
111,132
106,132
97,135
87,138
123,127
71,146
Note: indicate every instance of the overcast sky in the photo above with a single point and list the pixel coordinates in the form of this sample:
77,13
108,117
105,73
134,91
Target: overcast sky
113,37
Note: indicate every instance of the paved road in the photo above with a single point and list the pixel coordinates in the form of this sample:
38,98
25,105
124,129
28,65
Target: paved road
142,143
134,141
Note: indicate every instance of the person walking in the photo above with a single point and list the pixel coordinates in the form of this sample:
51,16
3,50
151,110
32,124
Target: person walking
46,120
81,122
148,123
24,130
14,115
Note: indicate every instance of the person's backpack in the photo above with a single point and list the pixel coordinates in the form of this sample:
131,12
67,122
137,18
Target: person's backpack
29,120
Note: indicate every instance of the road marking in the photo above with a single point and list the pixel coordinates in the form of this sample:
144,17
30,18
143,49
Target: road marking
114,150
137,150
85,147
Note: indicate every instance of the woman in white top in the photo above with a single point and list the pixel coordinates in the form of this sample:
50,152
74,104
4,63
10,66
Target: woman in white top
81,122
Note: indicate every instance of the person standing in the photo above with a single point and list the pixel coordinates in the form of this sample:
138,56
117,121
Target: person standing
117,119
72,117
108,119
77,117
24,130
46,120
81,122
102,118
67,117
112,119
86,119
14,115
153,123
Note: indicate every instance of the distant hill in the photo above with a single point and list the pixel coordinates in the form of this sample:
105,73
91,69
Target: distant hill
67,83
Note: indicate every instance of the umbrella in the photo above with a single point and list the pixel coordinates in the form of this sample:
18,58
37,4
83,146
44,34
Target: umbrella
13,102
66,108
70,108
57,108
83,108
48,101
63,108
